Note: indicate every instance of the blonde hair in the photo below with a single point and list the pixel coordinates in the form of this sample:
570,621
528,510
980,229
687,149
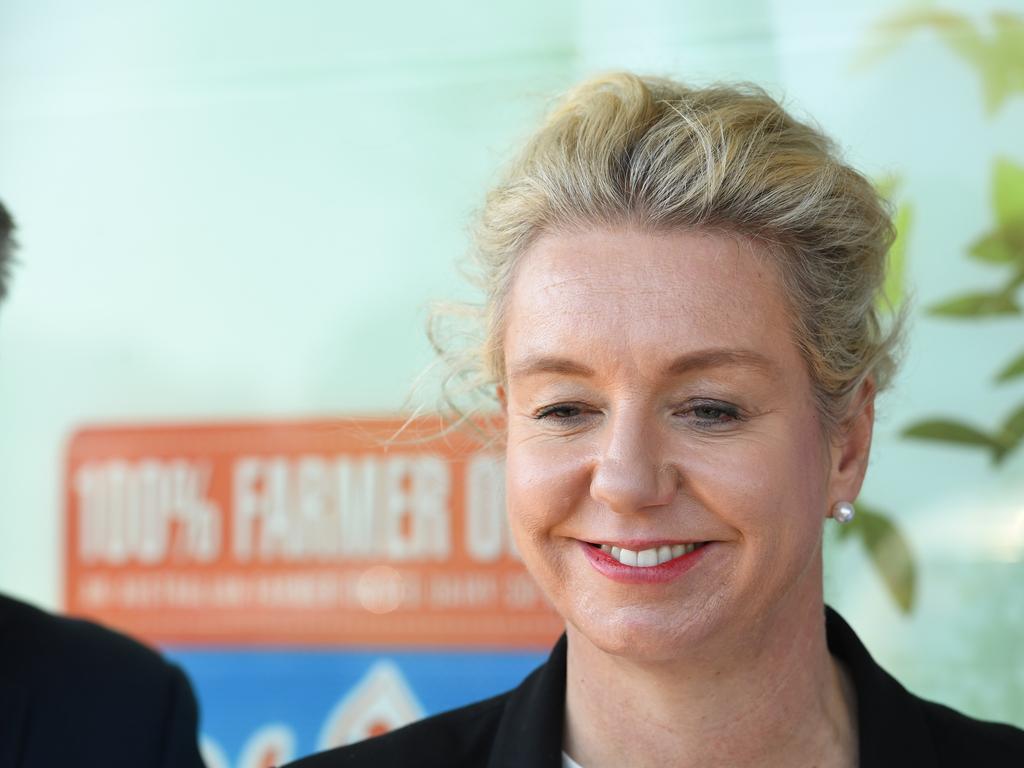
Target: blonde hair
654,154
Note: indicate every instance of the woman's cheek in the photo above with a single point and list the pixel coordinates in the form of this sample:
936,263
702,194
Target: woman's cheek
539,474
545,487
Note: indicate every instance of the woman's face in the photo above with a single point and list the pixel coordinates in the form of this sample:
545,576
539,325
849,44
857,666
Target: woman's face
656,400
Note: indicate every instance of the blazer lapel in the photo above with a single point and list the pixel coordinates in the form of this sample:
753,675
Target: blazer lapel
891,724
530,730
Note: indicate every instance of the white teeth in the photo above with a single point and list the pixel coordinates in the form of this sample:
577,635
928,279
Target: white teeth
648,558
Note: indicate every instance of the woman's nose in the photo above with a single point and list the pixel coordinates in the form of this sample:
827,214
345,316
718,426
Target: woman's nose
630,474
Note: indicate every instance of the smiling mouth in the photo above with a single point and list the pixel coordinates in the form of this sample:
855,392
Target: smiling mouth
649,558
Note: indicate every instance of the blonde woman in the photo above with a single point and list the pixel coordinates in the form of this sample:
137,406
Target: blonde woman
681,328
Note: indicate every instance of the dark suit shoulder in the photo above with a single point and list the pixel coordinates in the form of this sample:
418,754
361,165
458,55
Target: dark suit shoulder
460,738
82,692
963,741
68,643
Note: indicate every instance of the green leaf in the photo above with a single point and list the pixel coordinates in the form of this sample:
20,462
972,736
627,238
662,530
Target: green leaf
1004,74
894,290
1012,370
977,305
885,36
997,57
1013,430
946,431
1004,246
1008,193
889,552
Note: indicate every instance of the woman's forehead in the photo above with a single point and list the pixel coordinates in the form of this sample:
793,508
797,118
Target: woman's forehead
631,284
608,304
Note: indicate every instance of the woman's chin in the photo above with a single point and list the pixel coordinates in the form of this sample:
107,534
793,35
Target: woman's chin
642,634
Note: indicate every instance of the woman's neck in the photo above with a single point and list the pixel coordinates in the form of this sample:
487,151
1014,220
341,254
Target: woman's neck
785,702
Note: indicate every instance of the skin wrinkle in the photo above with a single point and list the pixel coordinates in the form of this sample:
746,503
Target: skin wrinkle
728,662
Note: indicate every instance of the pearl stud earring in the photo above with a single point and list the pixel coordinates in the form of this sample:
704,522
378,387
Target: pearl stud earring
843,511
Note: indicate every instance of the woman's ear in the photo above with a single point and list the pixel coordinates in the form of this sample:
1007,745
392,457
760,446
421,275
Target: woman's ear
851,446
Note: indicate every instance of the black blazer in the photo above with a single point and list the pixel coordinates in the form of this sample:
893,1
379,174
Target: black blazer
75,694
523,728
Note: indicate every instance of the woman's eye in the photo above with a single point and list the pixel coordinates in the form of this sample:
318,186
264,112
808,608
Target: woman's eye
560,412
712,414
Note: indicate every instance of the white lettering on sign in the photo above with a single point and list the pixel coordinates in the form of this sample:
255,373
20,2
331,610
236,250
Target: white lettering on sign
315,508
146,512
487,533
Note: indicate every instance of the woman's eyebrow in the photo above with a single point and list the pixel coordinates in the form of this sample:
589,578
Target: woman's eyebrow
686,363
718,358
541,364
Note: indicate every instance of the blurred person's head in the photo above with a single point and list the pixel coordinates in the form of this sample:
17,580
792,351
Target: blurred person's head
6,248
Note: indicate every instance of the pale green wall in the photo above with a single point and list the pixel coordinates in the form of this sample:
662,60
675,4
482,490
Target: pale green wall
242,209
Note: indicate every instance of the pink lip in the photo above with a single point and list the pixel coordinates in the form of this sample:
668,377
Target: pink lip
638,545
608,566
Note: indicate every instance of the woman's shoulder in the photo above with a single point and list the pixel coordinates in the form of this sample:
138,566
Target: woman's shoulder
459,737
899,728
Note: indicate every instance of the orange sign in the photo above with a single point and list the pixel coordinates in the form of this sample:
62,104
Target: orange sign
316,532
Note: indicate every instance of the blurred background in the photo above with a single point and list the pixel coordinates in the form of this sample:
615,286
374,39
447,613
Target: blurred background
233,217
